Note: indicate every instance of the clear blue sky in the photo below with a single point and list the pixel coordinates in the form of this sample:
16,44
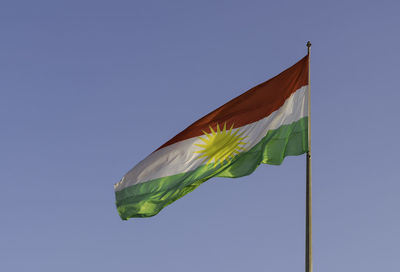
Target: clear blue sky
89,88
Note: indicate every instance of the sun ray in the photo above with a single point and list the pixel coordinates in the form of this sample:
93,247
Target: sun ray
212,131
207,135
230,130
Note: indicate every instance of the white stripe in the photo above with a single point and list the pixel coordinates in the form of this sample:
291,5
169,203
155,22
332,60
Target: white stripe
181,157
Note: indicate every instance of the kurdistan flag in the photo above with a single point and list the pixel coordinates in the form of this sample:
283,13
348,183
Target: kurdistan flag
263,125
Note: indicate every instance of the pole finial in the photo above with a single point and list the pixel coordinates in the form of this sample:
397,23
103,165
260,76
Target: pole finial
308,44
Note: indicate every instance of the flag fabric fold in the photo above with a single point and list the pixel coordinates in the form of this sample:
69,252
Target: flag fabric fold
263,125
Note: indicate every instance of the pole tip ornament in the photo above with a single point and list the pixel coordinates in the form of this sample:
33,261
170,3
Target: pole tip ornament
308,44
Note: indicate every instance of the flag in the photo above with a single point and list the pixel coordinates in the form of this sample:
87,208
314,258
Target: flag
263,125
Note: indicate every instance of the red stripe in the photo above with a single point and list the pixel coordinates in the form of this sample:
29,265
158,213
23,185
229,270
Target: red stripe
253,105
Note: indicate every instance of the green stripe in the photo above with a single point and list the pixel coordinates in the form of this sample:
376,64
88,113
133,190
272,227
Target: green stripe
149,198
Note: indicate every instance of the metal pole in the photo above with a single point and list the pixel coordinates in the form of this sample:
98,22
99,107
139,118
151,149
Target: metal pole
309,267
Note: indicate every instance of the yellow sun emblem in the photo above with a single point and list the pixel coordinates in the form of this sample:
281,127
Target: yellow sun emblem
220,146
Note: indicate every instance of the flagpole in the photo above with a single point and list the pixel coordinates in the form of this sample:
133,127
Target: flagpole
309,267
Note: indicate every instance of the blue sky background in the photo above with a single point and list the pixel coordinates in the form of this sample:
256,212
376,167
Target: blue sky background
89,88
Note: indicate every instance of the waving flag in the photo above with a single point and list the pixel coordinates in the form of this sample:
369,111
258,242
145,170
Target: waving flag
263,125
